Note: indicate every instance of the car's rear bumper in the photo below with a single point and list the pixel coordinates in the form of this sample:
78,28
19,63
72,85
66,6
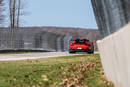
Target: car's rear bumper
79,50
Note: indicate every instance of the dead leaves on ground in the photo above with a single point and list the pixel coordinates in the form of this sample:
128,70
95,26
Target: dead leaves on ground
77,74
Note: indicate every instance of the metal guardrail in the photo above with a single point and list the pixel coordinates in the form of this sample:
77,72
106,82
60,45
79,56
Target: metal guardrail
30,39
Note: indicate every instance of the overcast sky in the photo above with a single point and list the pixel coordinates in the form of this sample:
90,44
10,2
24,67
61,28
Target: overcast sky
63,13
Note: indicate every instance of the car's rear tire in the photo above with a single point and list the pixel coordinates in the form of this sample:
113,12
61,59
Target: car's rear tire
72,52
91,51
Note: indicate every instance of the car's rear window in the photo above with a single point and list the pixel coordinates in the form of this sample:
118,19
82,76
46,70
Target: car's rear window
80,41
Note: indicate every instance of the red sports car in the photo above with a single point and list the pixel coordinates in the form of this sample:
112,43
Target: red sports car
81,45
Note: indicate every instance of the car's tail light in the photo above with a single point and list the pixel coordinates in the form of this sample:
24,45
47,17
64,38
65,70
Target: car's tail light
72,44
87,44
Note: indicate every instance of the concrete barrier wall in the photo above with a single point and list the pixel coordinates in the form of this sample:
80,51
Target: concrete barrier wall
115,56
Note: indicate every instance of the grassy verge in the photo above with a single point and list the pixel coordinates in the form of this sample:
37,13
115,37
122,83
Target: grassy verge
70,71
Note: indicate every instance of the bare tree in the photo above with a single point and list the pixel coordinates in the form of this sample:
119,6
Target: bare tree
12,8
15,12
1,12
18,14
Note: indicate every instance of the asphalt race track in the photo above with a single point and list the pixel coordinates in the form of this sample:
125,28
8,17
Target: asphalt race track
25,56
